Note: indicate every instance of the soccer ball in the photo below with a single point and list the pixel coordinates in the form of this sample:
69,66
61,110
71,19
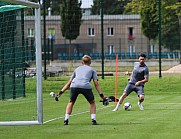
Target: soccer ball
127,106
52,94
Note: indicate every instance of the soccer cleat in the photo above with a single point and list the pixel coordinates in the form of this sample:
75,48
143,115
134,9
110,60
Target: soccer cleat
140,106
66,122
94,122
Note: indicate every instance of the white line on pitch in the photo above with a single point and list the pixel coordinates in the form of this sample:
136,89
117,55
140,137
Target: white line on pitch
164,103
75,114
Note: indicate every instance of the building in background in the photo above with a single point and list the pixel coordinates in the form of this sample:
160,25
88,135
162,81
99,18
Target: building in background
122,35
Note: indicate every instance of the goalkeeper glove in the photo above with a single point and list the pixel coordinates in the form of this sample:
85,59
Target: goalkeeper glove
58,95
101,95
105,101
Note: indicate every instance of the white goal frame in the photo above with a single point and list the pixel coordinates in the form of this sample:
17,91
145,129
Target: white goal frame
38,64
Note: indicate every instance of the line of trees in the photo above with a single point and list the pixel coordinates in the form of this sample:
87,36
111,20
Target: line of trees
170,14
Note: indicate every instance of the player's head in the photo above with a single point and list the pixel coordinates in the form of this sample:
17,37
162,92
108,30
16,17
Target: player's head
142,58
142,55
86,60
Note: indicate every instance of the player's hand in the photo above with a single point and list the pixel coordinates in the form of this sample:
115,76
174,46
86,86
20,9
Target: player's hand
56,98
58,95
102,95
137,83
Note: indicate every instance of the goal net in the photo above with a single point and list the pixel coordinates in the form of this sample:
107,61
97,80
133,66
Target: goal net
20,63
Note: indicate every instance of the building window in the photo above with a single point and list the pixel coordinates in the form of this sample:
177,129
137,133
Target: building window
110,31
131,49
152,48
110,49
91,32
51,33
130,33
31,32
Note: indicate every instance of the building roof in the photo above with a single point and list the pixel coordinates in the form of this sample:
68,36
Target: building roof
93,17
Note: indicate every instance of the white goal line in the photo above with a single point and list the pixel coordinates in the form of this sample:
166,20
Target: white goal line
104,107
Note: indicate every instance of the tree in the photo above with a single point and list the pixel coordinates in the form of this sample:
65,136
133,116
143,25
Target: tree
177,7
149,20
111,7
170,26
71,15
134,7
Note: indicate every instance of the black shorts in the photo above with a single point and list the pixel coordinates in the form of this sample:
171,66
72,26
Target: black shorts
88,94
131,87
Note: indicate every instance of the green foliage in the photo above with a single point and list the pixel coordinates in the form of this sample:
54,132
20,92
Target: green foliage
170,10
110,7
134,7
71,15
149,20
176,7
170,27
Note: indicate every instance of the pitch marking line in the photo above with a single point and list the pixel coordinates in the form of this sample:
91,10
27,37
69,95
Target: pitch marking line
97,109
165,103
76,114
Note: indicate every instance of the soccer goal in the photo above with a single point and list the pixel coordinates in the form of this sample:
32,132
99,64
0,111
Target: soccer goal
20,63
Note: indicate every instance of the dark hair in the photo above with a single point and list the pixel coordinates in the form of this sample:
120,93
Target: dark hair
142,55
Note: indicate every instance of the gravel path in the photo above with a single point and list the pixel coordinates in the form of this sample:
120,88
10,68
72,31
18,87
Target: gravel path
173,70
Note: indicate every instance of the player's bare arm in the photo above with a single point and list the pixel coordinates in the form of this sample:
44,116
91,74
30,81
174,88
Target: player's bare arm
130,76
96,84
67,85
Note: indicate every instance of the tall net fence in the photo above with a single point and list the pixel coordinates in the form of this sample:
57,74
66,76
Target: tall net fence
17,56
114,32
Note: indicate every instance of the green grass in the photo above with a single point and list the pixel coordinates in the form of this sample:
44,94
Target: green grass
160,119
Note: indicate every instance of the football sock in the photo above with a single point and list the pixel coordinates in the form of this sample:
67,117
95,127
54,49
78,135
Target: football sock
67,116
93,116
117,106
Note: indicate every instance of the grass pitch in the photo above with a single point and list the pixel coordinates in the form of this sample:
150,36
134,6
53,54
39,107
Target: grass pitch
160,120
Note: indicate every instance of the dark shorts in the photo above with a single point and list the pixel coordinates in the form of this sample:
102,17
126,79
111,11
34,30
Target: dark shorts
131,87
88,94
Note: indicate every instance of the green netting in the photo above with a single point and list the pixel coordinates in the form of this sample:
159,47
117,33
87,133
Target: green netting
11,7
12,53
3,3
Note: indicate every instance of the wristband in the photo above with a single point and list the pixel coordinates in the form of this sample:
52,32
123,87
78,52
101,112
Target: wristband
61,92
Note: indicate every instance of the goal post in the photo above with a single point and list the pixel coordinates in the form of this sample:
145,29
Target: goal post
17,60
